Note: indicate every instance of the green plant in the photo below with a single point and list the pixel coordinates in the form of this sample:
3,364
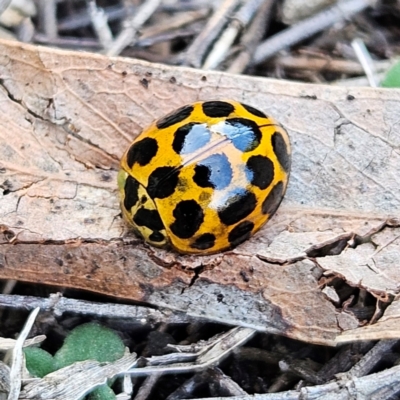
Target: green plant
89,341
38,362
392,77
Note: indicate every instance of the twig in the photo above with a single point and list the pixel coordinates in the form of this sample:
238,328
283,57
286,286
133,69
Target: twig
18,357
169,36
374,387
82,19
240,20
60,305
100,24
343,360
305,369
68,42
132,25
76,380
251,38
175,22
365,60
214,378
326,64
48,20
170,28
26,30
210,353
227,385
373,357
200,46
309,27
147,386
8,344
187,5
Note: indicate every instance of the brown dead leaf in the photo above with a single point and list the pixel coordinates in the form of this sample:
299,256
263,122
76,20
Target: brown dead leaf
65,120
388,327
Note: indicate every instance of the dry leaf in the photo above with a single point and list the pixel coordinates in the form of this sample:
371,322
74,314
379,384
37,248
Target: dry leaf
66,119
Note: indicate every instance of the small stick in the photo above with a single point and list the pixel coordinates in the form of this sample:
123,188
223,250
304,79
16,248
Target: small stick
59,305
82,19
251,38
175,22
240,20
169,36
147,386
308,27
371,359
100,24
197,50
326,64
365,59
68,42
132,25
48,20
17,357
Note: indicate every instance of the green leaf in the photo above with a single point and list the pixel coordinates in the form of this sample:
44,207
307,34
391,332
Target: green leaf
90,341
392,78
38,362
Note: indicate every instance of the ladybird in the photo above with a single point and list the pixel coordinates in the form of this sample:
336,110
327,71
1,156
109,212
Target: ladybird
205,177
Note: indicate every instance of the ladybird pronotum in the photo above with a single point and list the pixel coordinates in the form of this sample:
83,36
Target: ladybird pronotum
205,177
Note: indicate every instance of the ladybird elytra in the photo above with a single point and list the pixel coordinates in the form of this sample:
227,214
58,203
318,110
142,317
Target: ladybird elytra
204,178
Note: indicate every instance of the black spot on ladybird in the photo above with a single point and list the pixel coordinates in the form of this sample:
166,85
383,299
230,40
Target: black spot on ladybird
142,152
149,218
156,237
172,80
190,137
214,171
131,192
162,182
281,150
188,218
244,133
204,242
262,169
240,205
254,111
217,109
175,117
350,97
202,176
271,202
240,233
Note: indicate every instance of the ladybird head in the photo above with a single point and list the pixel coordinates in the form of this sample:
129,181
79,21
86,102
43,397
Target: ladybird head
139,210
